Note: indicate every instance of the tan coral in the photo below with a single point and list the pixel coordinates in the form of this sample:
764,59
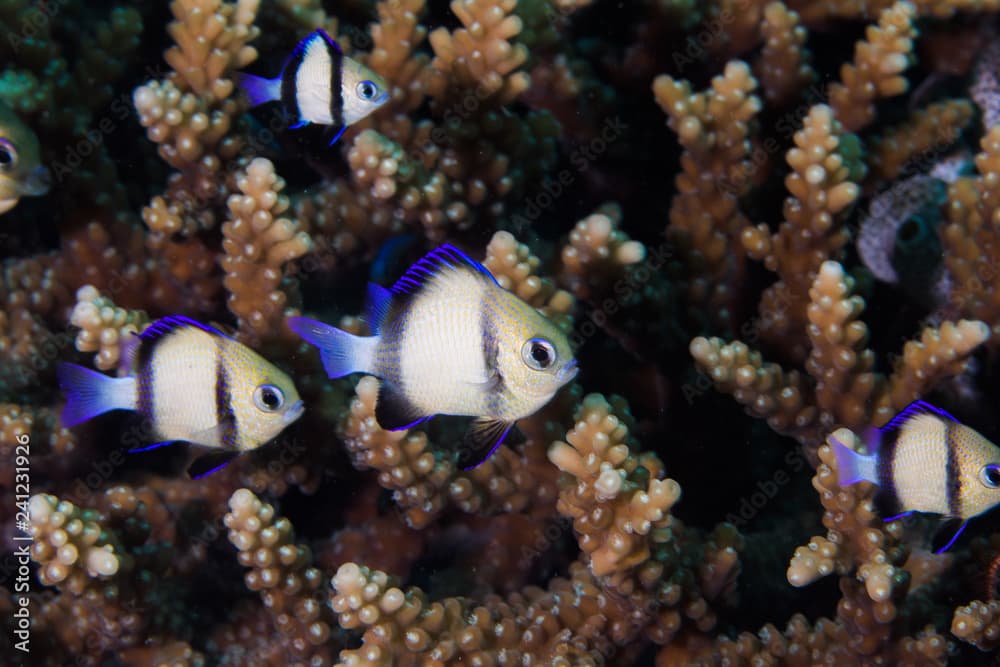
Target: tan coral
876,72
598,252
923,136
978,623
104,326
714,128
516,269
259,242
821,189
283,574
783,67
480,56
841,387
70,545
423,480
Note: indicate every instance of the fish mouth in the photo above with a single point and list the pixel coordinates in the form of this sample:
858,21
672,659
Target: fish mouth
36,183
295,411
569,372
383,98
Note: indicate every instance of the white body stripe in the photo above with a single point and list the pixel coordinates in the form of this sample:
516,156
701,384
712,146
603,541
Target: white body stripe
183,374
442,367
312,84
920,465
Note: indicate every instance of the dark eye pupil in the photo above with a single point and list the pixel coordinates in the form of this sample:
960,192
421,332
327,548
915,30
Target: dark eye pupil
993,475
270,398
367,90
5,156
539,354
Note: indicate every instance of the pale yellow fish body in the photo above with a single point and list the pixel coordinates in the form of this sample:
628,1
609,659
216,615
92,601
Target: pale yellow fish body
441,366
204,388
450,340
21,173
920,468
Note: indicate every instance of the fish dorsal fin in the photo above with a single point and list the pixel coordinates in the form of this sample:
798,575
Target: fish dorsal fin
445,258
912,410
317,38
377,307
168,325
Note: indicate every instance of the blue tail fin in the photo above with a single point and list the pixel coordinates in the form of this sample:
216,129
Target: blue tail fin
89,393
342,353
258,89
853,467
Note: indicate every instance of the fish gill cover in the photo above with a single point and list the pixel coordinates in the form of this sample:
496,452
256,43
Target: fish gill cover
676,184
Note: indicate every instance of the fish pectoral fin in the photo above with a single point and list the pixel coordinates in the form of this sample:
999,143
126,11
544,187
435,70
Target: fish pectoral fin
393,411
487,384
948,528
209,463
222,434
481,440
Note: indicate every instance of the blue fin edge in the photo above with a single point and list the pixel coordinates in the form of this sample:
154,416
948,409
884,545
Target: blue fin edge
446,256
171,323
915,408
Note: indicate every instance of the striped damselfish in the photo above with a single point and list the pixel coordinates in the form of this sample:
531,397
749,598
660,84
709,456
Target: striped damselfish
319,84
194,384
925,460
450,340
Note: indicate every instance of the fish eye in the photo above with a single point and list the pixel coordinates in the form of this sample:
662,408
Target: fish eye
538,353
367,90
990,475
8,155
268,398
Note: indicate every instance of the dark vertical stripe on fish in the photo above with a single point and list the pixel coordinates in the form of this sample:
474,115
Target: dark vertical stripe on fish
289,85
887,498
952,471
224,415
336,85
490,354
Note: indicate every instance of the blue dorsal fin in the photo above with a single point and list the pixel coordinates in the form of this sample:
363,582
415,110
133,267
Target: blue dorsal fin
445,257
912,410
171,323
377,307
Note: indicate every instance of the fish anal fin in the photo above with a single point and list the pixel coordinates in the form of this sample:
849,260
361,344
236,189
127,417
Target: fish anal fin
339,134
207,464
481,440
155,445
393,411
948,529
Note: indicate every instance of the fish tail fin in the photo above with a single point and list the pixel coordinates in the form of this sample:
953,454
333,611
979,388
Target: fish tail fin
342,353
853,467
89,393
258,89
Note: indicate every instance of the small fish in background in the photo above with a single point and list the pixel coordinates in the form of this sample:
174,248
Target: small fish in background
194,384
925,460
21,171
320,85
450,340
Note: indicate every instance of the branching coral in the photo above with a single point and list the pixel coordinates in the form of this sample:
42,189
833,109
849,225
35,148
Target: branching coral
842,387
257,245
822,185
103,326
714,129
